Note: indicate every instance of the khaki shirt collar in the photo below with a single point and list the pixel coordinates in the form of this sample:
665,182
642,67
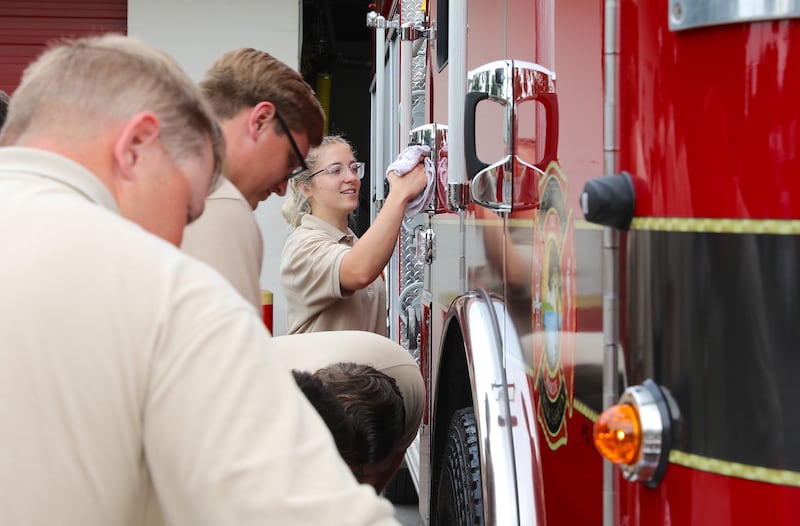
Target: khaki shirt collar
315,223
226,189
18,160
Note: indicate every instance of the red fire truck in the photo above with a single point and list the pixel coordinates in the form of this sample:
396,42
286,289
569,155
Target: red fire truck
609,264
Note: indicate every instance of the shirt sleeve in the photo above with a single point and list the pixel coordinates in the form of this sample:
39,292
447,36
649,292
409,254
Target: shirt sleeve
229,438
226,237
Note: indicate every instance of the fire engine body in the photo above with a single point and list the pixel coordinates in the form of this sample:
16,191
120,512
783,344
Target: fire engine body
534,294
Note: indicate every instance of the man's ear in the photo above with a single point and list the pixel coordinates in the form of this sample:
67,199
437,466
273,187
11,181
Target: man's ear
261,116
140,133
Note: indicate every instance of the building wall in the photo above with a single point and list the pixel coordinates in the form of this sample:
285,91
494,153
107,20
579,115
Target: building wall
26,27
195,33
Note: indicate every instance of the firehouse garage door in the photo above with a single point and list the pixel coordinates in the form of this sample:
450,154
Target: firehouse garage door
26,26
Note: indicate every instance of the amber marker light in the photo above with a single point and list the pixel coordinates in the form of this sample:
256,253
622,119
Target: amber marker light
636,434
618,434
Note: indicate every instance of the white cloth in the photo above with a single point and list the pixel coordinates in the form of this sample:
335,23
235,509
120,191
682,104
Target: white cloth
405,162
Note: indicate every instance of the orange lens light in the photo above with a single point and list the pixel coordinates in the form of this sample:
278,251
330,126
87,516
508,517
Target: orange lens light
618,434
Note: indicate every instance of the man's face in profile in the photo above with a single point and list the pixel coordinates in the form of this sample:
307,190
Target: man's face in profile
172,194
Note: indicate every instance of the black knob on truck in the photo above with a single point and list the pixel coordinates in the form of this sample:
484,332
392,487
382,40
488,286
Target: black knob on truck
609,200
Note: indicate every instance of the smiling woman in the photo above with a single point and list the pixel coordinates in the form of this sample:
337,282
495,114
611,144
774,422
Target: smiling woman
331,278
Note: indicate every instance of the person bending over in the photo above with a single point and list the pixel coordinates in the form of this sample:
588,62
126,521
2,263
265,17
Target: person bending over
317,351
270,117
331,411
373,419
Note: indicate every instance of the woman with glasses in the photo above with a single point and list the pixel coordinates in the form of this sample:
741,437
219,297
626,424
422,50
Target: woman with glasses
331,278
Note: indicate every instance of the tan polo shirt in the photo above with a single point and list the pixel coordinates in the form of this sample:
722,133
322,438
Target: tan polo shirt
227,237
312,351
315,300
136,386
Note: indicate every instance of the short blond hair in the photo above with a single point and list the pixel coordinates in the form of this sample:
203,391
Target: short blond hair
244,77
77,82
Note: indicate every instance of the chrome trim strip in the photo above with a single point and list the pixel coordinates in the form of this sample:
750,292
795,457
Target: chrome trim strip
651,428
477,315
727,468
693,14
412,456
456,87
611,264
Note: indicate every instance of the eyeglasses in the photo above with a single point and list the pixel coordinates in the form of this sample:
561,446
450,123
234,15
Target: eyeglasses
338,170
303,167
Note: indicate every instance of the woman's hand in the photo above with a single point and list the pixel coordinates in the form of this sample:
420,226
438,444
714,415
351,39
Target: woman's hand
411,184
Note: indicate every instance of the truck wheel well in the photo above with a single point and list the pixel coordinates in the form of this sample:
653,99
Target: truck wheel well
453,393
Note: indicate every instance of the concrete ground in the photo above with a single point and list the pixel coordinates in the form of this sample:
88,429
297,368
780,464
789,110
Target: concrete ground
408,514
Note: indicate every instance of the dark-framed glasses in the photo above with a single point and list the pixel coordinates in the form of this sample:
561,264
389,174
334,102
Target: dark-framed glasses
303,167
338,170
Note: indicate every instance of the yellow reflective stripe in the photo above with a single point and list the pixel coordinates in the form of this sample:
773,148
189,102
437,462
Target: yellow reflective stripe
716,466
668,224
585,410
734,469
717,226
582,224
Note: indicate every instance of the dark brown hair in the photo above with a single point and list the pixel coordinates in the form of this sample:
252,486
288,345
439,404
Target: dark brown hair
374,404
331,410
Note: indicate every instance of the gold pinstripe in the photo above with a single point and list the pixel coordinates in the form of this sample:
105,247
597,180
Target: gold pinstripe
670,224
585,410
716,466
717,226
734,469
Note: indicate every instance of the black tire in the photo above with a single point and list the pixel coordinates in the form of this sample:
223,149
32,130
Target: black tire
459,497
400,489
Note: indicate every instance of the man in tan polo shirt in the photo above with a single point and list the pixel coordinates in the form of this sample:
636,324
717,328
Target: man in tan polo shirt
136,386
270,117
